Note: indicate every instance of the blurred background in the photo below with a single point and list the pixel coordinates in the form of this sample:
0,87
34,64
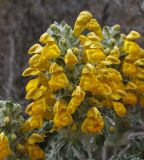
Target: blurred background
23,21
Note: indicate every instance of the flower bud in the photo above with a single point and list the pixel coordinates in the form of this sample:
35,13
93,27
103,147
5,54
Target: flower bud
116,27
63,42
6,120
75,51
112,129
70,59
20,147
54,28
13,136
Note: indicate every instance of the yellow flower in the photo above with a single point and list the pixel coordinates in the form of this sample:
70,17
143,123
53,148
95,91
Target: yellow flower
111,60
58,81
70,59
88,80
129,69
31,72
81,22
89,83
77,98
55,68
119,108
36,93
115,52
131,47
62,117
103,89
36,61
33,150
50,51
58,78
33,123
139,62
130,99
94,122
46,38
118,94
59,106
36,108
131,86
133,35
4,146
32,84
36,48
94,26
94,55
140,86
35,138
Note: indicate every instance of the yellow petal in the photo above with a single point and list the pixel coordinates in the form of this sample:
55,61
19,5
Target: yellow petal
32,84
118,94
131,86
94,55
129,69
60,105
58,81
81,22
77,98
133,35
111,60
36,122
62,119
4,146
46,38
93,113
91,125
115,52
36,94
140,86
94,26
88,69
119,108
130,99
35,152
139,62
35,138
34,61
36,48
70,59
31,72
50,52
55,68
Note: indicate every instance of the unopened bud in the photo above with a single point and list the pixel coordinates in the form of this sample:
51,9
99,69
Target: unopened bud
13,136
75,51
74,128
116,27
107,51
111,42
70,87
54,28
63,42
6,120
112,129
123,35
20,147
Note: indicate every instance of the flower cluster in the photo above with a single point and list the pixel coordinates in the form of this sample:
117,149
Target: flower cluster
76,74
